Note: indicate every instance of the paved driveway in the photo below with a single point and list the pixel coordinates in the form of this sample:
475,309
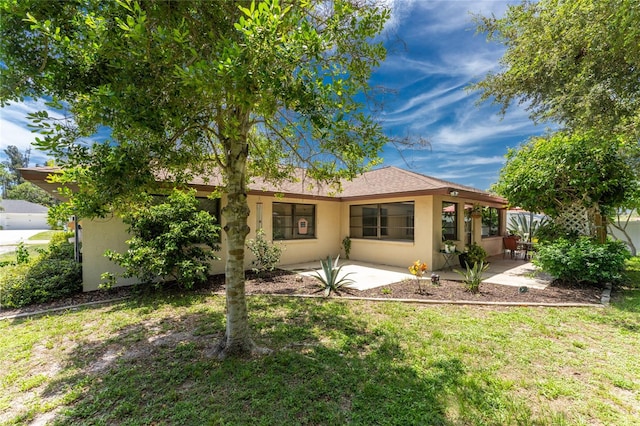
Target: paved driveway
10,239
15,236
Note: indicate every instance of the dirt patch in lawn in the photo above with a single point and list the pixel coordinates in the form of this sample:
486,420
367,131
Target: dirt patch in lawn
282,282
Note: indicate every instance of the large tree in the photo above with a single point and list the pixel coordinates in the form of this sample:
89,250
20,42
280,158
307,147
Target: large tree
573,62
15,160
5,177
235,88
30,192
549,173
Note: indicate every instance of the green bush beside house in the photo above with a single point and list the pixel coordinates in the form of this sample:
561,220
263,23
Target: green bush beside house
51,275
583,260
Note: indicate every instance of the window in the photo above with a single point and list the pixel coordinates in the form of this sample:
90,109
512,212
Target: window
449,221
213,207
294,221
210,205
490,222
389,221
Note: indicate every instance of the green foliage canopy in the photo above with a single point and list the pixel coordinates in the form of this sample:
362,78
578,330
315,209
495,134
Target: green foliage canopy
229,88
9,175
178,82
549,172
574,62
30,192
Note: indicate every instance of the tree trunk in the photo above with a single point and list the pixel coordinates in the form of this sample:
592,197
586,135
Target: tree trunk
627,238
237,340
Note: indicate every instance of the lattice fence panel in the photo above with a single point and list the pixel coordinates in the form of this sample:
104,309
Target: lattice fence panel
578,218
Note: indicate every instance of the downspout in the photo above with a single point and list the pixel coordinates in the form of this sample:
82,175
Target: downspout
76,248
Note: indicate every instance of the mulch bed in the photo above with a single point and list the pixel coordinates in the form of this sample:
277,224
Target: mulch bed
281,282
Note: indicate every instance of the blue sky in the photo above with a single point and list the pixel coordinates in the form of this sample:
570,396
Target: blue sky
439,55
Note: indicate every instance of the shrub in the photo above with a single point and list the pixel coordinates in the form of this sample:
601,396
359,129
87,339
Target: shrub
632,272
52,275
22,254
549,232
583,260
476,254
267,254
172,238
60,247
346,244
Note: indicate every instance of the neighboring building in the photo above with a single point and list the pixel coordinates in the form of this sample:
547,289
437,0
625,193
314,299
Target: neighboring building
392,216
20,214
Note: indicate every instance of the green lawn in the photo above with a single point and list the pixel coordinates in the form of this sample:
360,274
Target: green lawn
334,362
632,272
45,235
31,248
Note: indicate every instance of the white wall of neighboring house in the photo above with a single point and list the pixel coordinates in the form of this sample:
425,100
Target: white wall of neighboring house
633,229
20,214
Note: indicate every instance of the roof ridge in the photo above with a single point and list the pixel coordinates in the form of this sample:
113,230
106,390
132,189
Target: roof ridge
428,178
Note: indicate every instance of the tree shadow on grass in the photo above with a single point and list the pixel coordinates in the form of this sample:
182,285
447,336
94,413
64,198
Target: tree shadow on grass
329,367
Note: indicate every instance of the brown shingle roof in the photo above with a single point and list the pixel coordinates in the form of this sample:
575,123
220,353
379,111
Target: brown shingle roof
391,182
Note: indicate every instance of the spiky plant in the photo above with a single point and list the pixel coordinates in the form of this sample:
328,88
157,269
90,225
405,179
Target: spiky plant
526,226
330,279
472,277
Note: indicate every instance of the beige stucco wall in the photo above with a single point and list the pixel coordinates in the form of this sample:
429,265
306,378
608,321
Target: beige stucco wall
332,225
99,235
326,241
394,253
102,234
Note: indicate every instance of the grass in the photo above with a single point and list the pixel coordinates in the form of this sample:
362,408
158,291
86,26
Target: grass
632,271
335,362
31,248
45,235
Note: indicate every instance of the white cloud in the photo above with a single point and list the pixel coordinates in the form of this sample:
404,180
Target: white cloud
436,99
481,131
447,16
14,127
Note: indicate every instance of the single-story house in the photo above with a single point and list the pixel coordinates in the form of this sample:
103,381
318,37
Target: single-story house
21,214
393,217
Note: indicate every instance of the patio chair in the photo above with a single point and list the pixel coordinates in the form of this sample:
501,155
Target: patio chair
511,246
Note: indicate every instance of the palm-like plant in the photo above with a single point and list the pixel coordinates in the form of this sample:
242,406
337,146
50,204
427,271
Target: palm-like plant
526,226
472,277
330,279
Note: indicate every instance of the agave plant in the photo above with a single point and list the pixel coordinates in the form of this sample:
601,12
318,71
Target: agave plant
330,279
472,277
526,226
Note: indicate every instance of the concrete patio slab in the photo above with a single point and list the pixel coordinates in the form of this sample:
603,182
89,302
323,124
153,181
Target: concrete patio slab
524,275
516,273
366,275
